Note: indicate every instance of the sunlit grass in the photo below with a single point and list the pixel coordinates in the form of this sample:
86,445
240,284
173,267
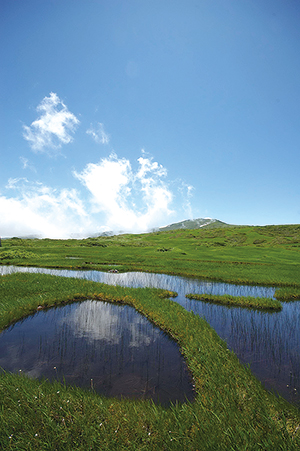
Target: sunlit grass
288,294
249,255
239,301
231,409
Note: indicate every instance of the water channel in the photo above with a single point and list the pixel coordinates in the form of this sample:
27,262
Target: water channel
268,342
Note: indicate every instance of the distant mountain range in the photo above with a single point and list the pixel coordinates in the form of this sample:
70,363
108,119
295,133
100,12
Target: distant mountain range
207,223
199,223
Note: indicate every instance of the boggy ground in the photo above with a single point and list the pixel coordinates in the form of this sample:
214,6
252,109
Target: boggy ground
231,409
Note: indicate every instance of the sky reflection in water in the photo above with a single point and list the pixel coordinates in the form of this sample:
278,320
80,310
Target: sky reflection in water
107,347
268,342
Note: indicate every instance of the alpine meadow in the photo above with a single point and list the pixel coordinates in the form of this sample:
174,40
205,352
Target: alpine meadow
231,409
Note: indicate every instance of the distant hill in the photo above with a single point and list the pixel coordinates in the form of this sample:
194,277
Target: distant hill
207,223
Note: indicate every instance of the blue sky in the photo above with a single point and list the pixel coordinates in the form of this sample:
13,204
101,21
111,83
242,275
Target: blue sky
127,115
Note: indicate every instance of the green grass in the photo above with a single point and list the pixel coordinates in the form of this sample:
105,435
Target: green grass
231,410
287,294
251,255
239,301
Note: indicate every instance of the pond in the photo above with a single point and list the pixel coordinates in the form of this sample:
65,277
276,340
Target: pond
268,342
109,348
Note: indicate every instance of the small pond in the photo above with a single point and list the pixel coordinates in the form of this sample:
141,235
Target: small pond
268,342
97,345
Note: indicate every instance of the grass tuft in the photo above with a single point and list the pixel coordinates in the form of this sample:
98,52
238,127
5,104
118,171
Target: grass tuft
239,301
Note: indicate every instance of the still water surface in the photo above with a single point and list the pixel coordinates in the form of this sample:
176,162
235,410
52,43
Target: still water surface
107,347
268,342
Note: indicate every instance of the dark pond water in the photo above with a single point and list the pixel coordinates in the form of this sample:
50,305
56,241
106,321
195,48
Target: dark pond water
109,348
268,342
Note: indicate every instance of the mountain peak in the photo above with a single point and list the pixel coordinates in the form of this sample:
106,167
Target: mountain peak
194,224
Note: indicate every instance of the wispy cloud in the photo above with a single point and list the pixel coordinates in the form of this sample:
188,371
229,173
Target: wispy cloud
131,200
26,164
187,194
98,134
53,127
13,183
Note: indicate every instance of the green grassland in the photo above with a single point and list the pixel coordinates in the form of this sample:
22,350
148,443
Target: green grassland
253,255
239,301
231,410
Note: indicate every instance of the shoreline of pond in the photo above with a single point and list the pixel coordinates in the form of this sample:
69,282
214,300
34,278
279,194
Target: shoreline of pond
248,333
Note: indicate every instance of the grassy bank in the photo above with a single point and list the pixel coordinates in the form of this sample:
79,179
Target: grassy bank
252,255
231,409
287,294
239,301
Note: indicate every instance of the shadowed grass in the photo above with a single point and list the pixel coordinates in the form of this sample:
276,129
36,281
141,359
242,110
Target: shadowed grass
238,301
231,410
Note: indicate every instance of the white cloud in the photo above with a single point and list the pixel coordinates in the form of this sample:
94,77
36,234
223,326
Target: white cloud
120,198
98,133
147,166
130,201
187,193
53,127
26,164
39,210
13,183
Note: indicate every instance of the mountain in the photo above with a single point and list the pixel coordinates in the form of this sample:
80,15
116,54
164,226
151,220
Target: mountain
208,223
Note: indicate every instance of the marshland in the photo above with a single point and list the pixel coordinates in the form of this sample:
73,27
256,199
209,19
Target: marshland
234,404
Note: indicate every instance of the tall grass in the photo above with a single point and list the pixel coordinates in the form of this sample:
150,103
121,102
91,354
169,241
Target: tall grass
231,410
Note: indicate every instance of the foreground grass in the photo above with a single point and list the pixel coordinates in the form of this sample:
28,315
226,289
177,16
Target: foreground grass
231,410
239,301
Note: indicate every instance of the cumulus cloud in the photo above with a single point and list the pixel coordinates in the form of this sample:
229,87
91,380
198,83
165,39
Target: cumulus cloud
36,209
113,195
53,127
98,134
131,200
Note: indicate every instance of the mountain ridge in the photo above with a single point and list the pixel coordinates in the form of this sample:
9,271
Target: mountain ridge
195,224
